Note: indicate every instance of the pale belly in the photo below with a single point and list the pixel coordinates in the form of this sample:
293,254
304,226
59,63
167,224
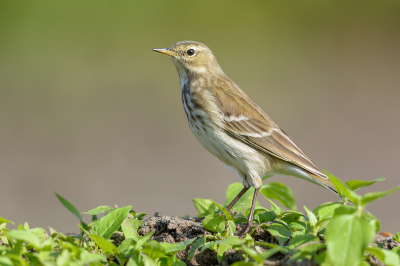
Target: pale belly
250,164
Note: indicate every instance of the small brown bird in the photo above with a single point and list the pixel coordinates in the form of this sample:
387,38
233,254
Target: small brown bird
232,127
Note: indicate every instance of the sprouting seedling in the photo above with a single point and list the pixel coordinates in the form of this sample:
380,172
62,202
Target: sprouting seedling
359,201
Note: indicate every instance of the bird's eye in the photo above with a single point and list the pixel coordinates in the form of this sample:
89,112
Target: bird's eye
190,52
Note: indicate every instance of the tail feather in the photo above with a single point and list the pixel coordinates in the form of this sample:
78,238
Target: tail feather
323,181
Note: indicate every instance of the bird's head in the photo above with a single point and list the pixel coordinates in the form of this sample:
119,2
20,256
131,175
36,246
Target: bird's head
193,57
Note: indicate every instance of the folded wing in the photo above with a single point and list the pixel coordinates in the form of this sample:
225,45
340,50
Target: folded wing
244,120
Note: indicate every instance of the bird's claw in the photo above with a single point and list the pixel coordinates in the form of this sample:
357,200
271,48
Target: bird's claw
243,232
195,219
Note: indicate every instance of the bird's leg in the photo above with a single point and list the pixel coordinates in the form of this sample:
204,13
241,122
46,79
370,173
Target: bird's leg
237,198
250,219
197,219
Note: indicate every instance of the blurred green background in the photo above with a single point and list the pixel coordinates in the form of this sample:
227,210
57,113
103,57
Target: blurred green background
88,110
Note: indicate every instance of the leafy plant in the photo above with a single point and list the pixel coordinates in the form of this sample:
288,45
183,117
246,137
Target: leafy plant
397,237
331,234
351,230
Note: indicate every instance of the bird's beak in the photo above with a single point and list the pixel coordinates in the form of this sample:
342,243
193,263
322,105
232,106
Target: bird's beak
165,51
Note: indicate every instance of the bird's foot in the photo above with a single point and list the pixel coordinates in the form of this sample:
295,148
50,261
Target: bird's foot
195,219
272,222
248,226
245,229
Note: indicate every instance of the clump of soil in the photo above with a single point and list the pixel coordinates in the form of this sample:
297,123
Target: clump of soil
172,229
385,242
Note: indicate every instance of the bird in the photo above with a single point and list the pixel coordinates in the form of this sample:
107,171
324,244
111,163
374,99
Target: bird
233,128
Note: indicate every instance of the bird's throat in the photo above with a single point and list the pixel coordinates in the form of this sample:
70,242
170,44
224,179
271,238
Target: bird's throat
183,76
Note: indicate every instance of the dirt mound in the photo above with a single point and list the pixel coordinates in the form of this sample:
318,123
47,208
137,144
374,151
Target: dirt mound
172,229
385,242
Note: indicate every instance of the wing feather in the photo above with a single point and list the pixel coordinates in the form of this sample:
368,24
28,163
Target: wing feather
246,121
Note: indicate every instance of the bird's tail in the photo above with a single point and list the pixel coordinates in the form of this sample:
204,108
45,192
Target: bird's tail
327,183
323,181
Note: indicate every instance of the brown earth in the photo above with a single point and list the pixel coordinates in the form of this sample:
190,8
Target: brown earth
172,229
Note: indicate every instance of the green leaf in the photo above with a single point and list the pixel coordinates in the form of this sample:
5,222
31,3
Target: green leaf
397,237
292,212
298,225
130,226
98,210
126,247
224,210
170,261
231,228
104,244
266,176
240,218
173,248
274,207
3,248
369,197
344,210
196,245
299,240
88,258
25,236
110,223
373,219
69,206
341,187
280,232
234,240
266,216
17,260
254,254
272,250
214,223
364,263
3,220
132,262
326,211
221,251
4,261
64,258
142,240
249,240
148,261
397,250
140,215
256,213
348,235
289,217
39,232
322,259
282,249
233,190
245,263
204,207
388,257
269,253
154,249
357,184
311,217
280,192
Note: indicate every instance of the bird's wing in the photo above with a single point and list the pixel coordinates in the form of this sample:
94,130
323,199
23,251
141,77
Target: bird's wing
246,121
